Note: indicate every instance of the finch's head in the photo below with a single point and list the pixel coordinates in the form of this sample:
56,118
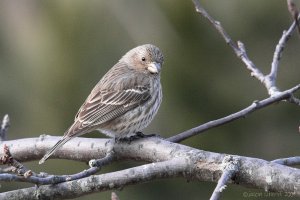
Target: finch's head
147,58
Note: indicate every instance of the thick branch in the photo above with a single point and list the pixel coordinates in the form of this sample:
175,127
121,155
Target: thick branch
174,160
104,182
230,167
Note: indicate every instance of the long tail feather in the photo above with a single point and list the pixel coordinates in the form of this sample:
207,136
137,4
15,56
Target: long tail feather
55,148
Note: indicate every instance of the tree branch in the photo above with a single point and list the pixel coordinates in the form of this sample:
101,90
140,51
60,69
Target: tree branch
104,182
269,80
271,77
16,167
240,114
288,161
173,160
240,52
230,167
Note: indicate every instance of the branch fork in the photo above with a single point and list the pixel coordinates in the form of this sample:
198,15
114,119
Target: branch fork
230,166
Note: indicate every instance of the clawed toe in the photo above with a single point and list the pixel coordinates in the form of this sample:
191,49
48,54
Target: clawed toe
138,135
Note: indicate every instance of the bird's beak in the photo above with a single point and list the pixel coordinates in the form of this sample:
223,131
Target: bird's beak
154,67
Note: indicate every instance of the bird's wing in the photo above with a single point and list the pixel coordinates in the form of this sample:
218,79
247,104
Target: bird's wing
101,107
104,106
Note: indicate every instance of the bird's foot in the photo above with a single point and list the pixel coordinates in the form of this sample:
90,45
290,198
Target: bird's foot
136,136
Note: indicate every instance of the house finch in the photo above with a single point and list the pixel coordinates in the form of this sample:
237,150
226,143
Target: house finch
124,101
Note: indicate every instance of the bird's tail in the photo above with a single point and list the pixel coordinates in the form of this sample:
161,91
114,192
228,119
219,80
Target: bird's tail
55,148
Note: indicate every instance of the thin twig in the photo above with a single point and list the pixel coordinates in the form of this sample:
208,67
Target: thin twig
109,158
17,167
4,127
291,161
271,77
255,72
240,52
54,179
230,167
240,114
269,80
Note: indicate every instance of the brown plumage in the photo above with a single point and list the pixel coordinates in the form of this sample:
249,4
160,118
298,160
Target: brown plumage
124,101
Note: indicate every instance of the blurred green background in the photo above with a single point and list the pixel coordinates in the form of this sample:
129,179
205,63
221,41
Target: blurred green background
52,53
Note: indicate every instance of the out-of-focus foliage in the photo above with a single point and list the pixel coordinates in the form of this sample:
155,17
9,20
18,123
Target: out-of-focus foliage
53,52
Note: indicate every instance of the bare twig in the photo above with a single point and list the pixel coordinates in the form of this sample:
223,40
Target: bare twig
240,114
294,100
4,128
17,167
109,158
49,179
271,77
230,167
240,52
54,179
291,161
269,80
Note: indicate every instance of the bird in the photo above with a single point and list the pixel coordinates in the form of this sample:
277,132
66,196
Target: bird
124,101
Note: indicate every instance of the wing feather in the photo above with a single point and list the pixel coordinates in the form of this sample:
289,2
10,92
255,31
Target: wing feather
112,105
112,97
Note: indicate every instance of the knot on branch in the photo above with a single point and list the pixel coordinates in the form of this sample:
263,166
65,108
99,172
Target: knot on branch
6,158
16,166
230,164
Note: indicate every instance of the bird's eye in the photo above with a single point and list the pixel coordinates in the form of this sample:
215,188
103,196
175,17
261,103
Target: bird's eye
143,59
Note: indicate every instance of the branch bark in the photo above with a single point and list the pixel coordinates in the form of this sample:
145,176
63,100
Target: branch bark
172,160
230,167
